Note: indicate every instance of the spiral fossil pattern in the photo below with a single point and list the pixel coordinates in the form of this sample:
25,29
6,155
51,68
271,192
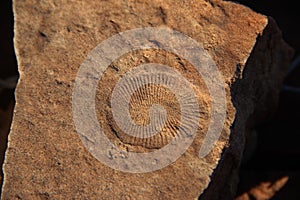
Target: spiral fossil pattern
110,83
149,95
141,103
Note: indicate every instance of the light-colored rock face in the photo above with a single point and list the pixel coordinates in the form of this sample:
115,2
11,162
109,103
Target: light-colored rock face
48,159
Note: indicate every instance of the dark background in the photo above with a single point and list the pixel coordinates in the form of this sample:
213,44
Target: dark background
278,152
8,63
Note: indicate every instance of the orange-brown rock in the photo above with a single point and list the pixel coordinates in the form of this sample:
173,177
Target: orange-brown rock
46,158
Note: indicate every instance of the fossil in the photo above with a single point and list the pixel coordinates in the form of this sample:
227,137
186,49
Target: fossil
153,104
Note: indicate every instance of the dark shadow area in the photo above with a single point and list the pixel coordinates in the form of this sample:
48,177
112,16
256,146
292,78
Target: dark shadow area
8,63
278,149
8,68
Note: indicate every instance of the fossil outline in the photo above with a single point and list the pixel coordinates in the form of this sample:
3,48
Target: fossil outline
161,75
102,56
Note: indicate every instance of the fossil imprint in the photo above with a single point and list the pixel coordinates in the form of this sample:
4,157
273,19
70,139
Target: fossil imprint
161,93
148,115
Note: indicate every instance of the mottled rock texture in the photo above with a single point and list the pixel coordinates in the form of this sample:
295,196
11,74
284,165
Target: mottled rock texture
46,159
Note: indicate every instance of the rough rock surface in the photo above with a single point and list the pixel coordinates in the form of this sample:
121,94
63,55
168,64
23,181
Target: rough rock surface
46,159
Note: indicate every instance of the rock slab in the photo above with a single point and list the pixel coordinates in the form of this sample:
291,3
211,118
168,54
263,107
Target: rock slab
46,158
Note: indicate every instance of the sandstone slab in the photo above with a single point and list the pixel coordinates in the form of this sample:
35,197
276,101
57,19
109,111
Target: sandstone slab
46,157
